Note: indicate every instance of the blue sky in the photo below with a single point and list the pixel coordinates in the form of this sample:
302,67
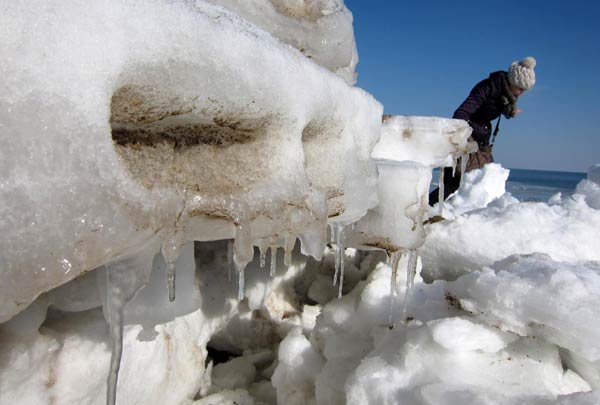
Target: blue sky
423,58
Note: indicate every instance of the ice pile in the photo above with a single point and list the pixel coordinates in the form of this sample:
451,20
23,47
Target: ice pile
565,229
409,148
520,330
132,130
144,131
320,29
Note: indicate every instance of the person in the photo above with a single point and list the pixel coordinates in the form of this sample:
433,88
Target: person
489,99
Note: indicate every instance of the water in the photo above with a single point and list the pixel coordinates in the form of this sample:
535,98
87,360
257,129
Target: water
537,185
540,185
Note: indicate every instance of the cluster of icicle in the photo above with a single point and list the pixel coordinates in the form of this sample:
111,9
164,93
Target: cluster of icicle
124,280
464,159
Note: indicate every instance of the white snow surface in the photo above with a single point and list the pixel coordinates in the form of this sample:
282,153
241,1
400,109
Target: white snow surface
320,29
128,123
514,327
131,128
431,141
497,226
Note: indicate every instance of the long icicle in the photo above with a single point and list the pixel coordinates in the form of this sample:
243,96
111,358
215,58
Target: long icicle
123,280
441,193
171,248
273,261
290,241
394,259
241,282
335,231
410,278
115,305
263,256
463,167
171,280
342,254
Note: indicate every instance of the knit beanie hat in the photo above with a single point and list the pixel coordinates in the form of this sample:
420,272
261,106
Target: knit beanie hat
521,74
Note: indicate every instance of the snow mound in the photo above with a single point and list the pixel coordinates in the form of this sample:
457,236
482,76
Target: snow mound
495,229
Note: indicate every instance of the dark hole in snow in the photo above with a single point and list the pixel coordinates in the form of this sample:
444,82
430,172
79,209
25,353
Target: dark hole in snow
218,356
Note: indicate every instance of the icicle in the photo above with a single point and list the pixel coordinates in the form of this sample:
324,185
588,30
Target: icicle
463,167
411,268
273,261
240,284
171,248
393,261
171,280
243,252
123,280
289,247
229,258
263,256
115,305
332,229
412,265
339,257
441,193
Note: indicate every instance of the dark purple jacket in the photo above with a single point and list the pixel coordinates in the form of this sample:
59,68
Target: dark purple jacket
483,105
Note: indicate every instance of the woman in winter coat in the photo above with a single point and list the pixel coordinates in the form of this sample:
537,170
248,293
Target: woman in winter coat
491,97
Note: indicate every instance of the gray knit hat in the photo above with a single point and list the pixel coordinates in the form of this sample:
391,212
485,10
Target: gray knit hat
521,73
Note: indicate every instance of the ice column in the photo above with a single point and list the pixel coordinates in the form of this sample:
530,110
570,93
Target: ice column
393,260
464,159
411,269
290,241
337,231
171,248
243,253
273,261
441,192
124,279
263,256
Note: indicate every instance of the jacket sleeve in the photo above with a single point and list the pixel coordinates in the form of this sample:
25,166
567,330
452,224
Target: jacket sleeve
476,98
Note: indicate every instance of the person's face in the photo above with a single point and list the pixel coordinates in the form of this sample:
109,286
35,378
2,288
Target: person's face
517,91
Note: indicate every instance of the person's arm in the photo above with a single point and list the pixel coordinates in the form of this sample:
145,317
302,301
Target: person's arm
476,98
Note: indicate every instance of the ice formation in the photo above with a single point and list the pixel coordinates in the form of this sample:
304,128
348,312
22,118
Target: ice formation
320,29
157,156
144,130
566,229
521,330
